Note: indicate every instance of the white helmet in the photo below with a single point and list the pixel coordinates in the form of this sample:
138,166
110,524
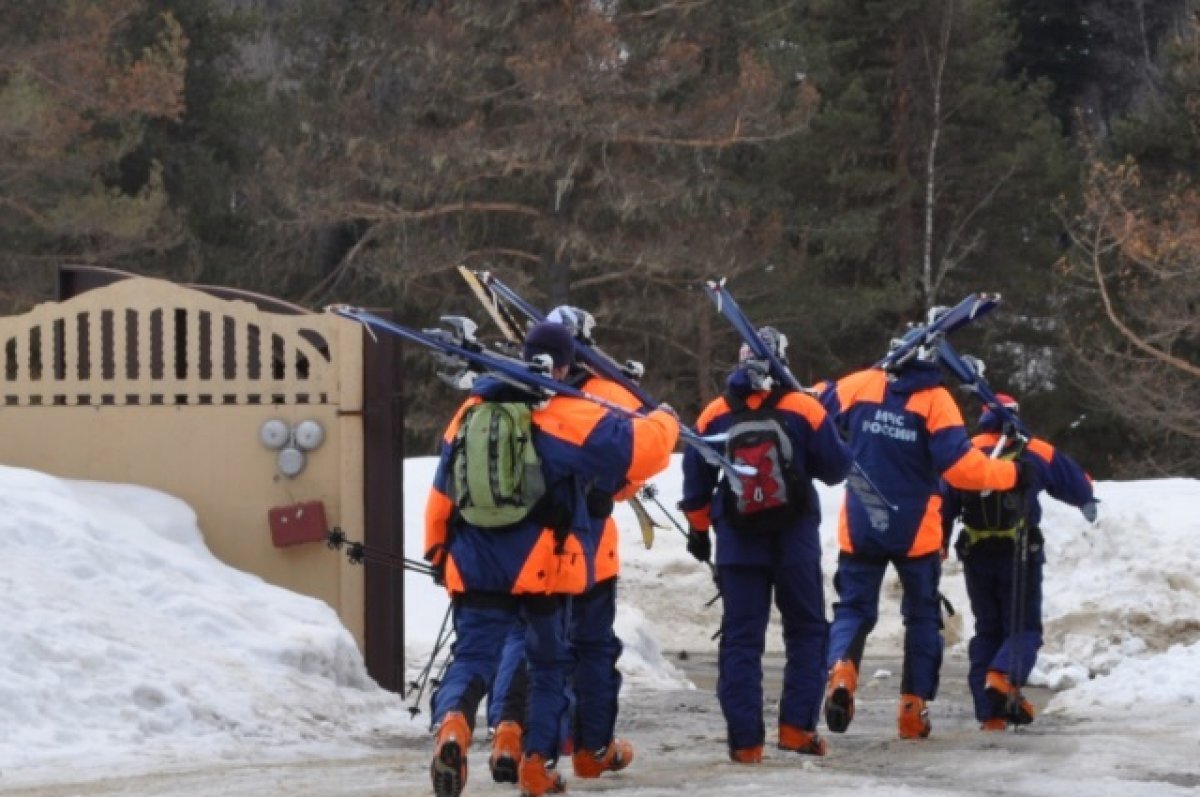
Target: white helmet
578,321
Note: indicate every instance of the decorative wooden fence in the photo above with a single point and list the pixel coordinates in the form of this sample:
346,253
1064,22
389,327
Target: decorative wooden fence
147,382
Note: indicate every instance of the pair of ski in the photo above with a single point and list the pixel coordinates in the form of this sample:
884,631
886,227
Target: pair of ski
459,352
489,290
940,322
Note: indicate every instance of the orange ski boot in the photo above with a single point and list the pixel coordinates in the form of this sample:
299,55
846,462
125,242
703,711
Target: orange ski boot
506,752
448,771
1006,699
839,696
613,757
536,778
747,755
801,741
994,724
912,718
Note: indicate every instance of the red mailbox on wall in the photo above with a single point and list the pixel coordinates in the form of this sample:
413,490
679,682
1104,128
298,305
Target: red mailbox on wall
297,523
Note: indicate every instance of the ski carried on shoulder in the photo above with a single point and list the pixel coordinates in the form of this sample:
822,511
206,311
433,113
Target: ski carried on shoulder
510,328
967,373
601,363
459,347
508,324
728,307
858,480
940,323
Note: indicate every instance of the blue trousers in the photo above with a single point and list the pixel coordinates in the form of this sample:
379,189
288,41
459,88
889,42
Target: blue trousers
596,680
989,577
482,623
857,581
746,592
507,698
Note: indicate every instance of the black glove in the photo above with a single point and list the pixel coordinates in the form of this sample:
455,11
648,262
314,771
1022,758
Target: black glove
1089,511
699,545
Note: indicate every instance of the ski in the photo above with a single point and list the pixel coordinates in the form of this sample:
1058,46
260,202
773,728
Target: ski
962,368
508,324
460,347
941,322
510,328
729,308
645,522
858,481
598,361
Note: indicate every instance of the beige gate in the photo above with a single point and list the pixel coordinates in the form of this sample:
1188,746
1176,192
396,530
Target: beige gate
147,382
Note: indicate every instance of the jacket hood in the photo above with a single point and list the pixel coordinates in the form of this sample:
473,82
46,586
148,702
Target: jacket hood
915,376
738,383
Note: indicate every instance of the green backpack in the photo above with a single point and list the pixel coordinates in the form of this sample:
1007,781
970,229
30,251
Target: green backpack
496,474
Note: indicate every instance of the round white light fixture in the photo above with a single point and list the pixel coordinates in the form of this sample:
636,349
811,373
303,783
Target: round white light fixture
274,434
290,461
309,435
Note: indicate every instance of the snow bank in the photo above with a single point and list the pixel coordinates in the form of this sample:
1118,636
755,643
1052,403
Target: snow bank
124,634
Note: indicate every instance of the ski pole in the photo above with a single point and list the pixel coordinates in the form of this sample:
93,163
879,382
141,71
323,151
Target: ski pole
357,553
443,637
1017,617
650,493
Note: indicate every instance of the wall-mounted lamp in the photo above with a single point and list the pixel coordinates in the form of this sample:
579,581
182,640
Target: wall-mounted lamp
291,442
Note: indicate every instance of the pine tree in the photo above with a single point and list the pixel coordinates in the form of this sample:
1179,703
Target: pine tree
927,173
76,97
586,151
1135,330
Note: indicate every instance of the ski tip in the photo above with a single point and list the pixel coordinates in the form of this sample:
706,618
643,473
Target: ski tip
343,309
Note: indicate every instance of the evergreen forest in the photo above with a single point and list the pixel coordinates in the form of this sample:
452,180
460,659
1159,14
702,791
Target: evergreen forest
845,164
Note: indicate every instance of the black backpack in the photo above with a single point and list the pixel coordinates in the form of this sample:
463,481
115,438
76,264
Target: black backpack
996,515
772,498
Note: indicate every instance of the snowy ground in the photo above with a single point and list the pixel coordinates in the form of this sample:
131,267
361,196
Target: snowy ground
133,663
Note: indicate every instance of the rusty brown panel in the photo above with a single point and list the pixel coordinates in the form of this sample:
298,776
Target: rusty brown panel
383,432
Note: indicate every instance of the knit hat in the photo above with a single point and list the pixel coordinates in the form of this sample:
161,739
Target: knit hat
989,420
550,338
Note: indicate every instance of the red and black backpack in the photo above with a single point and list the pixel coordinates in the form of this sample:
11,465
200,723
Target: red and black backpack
772,498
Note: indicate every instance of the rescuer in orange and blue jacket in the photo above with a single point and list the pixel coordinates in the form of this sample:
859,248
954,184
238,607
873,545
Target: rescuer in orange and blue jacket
1002,656
595,682
526,572
766,548
905,431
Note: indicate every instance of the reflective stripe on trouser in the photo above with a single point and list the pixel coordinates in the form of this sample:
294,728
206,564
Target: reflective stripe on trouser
858,581
989,587
482,624
746,595
596,680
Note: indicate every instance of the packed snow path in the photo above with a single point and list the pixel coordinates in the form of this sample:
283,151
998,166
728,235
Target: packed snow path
680,751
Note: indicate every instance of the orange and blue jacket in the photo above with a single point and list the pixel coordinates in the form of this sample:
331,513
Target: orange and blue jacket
905,433
1060,476
818,453
605,492
579,443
